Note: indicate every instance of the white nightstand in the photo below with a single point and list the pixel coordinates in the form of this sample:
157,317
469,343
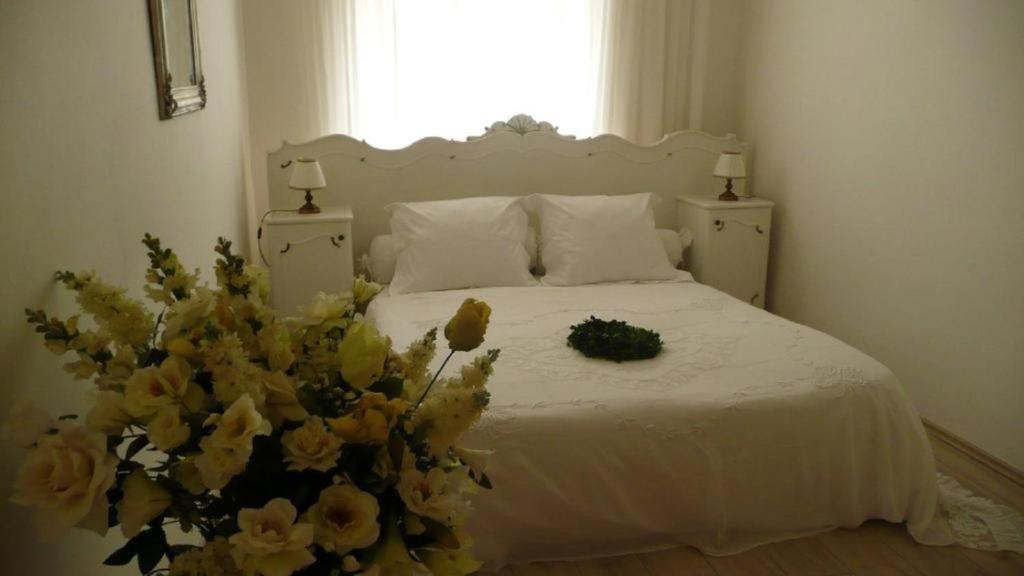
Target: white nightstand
308,253
730,244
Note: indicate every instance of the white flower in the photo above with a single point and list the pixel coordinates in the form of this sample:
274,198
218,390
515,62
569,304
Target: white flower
168,431
143,501
269,542
442,496
108,414
26,423
65,478
184,315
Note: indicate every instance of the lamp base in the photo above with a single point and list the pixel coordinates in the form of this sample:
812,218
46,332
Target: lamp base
309,207
728,195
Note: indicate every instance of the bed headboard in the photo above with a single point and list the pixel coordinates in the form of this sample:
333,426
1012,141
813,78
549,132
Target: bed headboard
514,158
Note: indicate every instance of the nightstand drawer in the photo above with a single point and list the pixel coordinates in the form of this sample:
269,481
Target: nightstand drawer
730,244
308,254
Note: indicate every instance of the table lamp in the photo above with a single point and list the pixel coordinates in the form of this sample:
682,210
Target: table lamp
729,166
307,176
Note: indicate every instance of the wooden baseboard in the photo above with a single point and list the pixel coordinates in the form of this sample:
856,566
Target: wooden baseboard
975,453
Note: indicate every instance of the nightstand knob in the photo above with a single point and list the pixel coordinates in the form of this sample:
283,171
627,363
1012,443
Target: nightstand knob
340,238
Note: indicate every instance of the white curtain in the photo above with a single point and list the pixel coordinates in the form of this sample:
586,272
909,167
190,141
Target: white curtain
653,55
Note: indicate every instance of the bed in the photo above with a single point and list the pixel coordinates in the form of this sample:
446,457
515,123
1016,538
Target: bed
747,429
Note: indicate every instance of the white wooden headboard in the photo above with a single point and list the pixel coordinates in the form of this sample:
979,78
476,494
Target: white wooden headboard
514,158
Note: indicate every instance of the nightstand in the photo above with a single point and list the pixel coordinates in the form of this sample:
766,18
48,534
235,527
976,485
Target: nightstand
730,244
308,253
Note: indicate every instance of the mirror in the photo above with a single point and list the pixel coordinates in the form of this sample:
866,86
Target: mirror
180,85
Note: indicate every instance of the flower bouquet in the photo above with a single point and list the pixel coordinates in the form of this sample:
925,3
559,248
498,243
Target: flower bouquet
269,446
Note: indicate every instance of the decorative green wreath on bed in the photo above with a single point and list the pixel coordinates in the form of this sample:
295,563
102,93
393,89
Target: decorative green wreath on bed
614,340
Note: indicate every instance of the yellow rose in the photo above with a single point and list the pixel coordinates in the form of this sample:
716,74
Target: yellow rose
107,414
167,431
152,388
26,423
65,478
281,400
465,331
143,501
363,352
237,426
217,465
344,518
269,542
311,446
182,347
370,420
276,342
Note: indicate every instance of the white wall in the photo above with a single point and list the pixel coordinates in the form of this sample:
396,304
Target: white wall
891,134
86,167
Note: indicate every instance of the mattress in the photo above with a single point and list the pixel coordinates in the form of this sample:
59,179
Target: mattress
746,429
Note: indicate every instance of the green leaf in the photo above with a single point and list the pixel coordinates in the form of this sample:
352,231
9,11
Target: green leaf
390,387
152,547
441,533
124,554
135,447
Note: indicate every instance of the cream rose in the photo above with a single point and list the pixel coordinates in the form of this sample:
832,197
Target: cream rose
66,478
311,446
281,400
237,426
149,389
143,501
269,542
26,423
362,353
167,430
218,465
344,518
108,415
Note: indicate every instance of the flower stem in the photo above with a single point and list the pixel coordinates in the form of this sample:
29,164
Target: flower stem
434,379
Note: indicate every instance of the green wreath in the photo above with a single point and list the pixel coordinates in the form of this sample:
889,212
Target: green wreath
613,340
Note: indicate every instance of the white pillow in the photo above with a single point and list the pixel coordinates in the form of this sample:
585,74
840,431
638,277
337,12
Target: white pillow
672,244
467,243
588,239
383,255
383,258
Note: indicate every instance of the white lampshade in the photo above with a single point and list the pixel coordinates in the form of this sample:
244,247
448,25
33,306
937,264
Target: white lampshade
730,165
307,175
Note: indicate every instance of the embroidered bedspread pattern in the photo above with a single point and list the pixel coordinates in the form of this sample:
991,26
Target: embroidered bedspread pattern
746,429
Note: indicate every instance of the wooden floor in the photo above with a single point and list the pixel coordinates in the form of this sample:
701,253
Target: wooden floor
874,549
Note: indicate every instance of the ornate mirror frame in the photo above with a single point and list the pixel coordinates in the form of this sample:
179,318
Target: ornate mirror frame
176,100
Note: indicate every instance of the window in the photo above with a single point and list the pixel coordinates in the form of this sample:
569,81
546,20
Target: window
451,67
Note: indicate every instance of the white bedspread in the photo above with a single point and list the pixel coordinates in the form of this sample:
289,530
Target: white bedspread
746,429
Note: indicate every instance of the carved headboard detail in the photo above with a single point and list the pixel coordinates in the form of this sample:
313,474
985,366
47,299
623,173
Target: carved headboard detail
514,158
